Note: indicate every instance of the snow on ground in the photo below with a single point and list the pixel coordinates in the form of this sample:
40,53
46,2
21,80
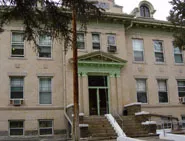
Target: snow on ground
164,134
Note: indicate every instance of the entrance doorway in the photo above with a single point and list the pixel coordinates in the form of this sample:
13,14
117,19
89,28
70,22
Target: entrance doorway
98,95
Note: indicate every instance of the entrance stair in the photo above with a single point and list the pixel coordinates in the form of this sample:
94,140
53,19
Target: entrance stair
99,128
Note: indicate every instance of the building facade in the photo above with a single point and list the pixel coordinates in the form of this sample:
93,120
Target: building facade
123,58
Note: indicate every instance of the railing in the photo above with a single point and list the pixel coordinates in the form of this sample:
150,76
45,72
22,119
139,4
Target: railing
171,125
68,117
121,120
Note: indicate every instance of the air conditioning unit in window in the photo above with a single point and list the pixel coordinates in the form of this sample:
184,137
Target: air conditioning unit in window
182,100
17,102
112,48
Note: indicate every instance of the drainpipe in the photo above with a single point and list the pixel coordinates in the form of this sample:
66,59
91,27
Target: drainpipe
130,26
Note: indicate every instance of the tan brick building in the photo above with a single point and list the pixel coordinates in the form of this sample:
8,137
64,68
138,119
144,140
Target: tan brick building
122,59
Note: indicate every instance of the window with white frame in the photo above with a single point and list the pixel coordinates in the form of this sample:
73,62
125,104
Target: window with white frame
17,44
178,55
141,90
96,41
181,88
45,127
80,41
111,40
16,128
158,49
45,46
138,49
45,93
16,87
162,91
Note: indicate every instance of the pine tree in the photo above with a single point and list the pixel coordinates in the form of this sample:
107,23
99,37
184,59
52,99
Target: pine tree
177,17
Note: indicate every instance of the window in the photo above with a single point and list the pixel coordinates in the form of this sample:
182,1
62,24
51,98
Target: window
17,49
144,11
16,128
181,88
178,55
141,90
17,86
45,46
111,39
138,49
45,90
45,127
96,41
80,41
162,91
158,48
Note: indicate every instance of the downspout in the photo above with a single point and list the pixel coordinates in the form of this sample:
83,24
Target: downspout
130,26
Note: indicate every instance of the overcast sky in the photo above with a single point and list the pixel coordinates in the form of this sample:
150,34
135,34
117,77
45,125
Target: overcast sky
162,7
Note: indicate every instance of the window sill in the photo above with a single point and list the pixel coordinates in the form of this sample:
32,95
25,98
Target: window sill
17,58
82,50
179,64
44,105
139,62
160,63
48,59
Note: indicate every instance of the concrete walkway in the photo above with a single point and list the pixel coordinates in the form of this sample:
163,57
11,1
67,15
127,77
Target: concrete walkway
153,138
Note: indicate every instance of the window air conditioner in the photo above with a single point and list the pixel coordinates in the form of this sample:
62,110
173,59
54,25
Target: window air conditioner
182,100
17,102
112,48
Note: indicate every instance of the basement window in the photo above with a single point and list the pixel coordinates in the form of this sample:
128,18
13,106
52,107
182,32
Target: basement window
16,128
45,127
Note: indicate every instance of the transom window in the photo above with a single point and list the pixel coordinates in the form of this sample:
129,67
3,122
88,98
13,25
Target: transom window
16,128
162,91
17,87
138,49
141,90
144,11
17,44
158,49
178,55
45,46
181,88
96,41
80,41
45,127
45,90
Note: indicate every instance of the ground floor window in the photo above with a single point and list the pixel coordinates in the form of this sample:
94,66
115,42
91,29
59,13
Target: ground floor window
16,128
162,91
45,127
141,90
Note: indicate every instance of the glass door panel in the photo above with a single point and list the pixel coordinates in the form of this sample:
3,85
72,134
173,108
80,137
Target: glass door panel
93,103
103,101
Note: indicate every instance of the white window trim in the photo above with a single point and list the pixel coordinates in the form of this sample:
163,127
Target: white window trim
163,52
46,127
82,49
46,58
166,80
142,51
12,56
39,90
16,128
145,91
178,54
96,42
10,86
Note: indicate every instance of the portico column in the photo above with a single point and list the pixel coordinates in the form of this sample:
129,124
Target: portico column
119,94
85,94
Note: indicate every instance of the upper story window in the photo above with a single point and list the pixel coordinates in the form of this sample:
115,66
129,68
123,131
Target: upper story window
162,91
158,49
45,93
178,55
144,11
141,90
181,88
17,87
111,41
138,49
96,41
45,46
17,44
80,41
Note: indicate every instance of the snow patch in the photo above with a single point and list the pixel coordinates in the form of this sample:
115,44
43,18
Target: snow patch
115,125
142,113
148,122
80,114
122,138
70,105
132,104
83,125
